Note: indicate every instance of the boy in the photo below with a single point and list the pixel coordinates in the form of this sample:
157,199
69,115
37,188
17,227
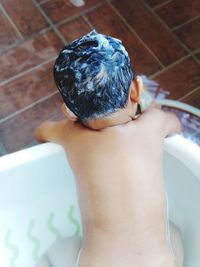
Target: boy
116,156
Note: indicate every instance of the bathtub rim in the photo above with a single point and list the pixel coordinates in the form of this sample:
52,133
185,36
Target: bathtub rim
186,151
29,154
178,105
181,148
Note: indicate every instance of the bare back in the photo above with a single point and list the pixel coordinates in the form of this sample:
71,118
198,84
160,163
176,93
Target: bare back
120,184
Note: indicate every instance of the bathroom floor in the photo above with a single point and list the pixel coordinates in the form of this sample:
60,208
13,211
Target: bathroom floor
161,36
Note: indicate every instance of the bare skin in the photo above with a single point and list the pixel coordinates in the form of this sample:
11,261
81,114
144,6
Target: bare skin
117,162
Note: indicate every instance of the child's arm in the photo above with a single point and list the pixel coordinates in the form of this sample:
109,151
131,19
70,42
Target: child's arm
166,122
42,132
172,124
49,131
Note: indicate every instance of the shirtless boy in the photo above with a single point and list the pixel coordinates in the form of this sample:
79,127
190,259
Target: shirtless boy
116,156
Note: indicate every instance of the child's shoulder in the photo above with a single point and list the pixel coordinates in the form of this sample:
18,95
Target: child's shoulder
50,130
156,119
152,115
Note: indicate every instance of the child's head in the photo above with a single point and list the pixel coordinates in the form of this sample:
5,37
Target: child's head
93,75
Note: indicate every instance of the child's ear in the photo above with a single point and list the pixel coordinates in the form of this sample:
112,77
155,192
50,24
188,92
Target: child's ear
68,113
136,89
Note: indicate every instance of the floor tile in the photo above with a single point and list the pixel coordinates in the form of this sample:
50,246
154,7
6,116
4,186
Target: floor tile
74,29
193,99
58,10
153,3
26,89
198,55
177,12
180,79
106,21
138,16
17,132
25,15
190,34
8,35
29,54
40,1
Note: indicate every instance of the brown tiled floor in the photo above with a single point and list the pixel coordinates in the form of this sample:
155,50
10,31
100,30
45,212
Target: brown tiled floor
161,36
176,12
8,34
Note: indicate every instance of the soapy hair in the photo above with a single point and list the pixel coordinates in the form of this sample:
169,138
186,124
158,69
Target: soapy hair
93,75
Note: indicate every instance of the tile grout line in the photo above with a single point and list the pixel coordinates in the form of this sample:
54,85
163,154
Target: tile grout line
42,2
64,41
184,23
21,41
27,71
169,66
194,54
169,30
139,38
189,93
197,60
161,4
196,50
58,24
10,46
11,22
180,25
55,26
14,114
45,62
71,18
66,20
87,21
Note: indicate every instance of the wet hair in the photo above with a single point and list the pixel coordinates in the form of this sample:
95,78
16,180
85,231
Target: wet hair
93,75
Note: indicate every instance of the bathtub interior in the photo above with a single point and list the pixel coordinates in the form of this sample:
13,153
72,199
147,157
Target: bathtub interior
38,202
183,190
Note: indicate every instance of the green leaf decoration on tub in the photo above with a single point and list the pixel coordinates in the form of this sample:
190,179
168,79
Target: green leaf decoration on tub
52,228
73,221
14,250
34,240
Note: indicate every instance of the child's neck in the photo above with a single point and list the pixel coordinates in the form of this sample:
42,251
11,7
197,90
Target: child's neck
118,118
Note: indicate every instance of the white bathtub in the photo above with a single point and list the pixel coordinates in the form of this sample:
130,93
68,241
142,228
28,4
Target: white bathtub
38,202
